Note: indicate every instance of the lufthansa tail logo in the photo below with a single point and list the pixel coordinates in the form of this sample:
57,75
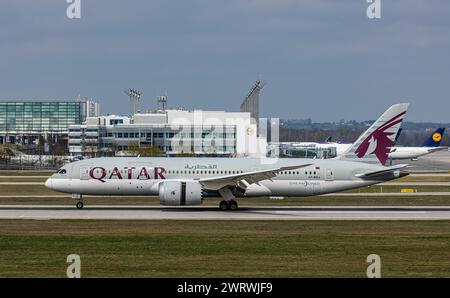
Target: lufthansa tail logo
437,137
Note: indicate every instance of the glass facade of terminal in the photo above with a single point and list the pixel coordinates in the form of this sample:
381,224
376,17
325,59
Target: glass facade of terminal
39,117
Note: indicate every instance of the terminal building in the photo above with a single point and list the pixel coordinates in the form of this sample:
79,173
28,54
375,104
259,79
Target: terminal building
172,132
29,123
299,150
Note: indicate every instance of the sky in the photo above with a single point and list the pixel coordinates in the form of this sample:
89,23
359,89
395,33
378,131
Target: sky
321,59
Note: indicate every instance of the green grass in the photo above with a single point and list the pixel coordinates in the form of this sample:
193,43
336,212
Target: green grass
43,173
398,188
4,179
424,179
11,189
224,248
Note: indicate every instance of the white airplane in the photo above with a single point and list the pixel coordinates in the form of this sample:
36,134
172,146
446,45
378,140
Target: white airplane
186,181
431,145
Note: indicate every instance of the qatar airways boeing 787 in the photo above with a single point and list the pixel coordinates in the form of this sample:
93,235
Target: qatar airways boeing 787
187,181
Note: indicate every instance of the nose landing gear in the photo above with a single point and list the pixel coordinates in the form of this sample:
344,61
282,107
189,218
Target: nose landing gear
79,198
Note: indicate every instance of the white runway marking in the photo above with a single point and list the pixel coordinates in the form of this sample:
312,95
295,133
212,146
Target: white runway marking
212,213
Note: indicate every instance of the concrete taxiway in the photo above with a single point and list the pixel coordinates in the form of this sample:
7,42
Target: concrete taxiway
212,213
437,161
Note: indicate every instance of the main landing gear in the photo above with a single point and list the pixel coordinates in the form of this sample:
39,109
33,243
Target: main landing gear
79,198
228,205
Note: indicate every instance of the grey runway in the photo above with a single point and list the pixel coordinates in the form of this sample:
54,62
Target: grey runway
212,213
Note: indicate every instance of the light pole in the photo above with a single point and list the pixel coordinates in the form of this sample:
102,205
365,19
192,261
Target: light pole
134,96
163,100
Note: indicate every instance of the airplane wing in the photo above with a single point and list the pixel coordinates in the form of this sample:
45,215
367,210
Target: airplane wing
434,149
244,179
377,173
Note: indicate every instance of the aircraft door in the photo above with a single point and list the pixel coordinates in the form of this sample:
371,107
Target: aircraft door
329,175
84,172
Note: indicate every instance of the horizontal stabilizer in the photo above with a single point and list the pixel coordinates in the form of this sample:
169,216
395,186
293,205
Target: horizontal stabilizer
382,172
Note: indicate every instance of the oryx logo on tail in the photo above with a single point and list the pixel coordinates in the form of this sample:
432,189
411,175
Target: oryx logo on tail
374,145
381,140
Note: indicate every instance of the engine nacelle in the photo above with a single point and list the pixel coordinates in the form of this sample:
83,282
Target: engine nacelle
178,193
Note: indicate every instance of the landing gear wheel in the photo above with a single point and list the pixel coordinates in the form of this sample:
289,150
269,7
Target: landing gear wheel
223,205
233,205
80,205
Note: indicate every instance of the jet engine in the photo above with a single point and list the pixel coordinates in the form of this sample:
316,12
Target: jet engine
179,193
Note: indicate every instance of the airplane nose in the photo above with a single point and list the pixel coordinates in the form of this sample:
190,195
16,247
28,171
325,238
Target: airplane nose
48,183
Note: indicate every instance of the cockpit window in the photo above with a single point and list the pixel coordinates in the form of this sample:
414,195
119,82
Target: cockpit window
63,171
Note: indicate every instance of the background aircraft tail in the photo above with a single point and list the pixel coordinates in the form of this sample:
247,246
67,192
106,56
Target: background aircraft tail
398,135
435,139
374,145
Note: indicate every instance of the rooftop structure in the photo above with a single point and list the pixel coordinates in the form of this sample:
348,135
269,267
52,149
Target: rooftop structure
172,132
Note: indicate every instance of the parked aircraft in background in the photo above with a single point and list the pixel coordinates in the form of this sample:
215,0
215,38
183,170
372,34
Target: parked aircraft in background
432,144
186,181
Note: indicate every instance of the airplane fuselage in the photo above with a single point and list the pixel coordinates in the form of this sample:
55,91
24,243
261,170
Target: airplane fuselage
143,176
397,153
412,152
